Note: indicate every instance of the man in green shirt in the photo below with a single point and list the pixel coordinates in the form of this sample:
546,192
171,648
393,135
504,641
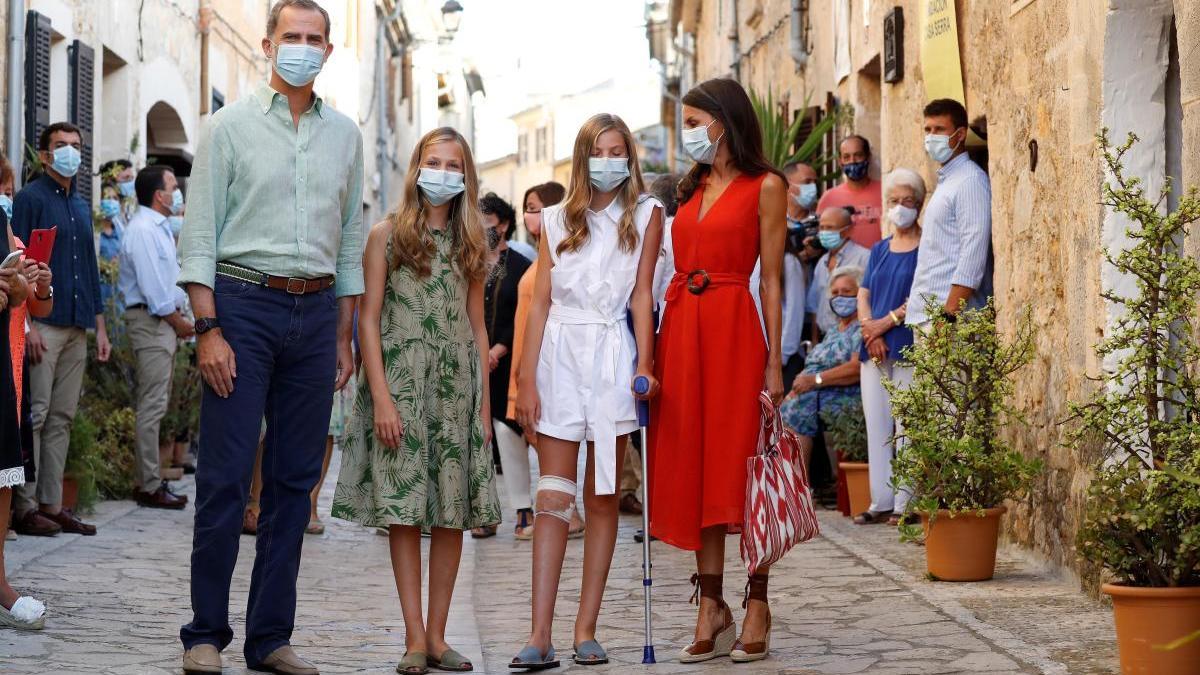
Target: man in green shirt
272,261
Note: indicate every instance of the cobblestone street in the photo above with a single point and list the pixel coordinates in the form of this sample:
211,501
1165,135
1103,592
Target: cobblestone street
854,601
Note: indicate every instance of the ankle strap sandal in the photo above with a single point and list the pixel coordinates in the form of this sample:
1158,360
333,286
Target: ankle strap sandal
744,652
720,642
756,589
708,586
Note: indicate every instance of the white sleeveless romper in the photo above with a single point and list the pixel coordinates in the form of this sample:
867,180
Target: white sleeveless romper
586,365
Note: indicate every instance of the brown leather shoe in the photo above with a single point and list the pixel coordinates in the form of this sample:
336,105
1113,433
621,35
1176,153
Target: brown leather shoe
162,498
69,523
201,660
630,504
286,662
35,524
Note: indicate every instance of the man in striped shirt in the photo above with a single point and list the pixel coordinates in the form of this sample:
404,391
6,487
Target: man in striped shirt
954,265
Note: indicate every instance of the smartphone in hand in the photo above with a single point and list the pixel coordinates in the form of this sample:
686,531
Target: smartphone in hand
41,244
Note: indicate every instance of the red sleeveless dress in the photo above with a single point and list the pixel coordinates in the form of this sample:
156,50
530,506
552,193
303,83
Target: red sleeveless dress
709,360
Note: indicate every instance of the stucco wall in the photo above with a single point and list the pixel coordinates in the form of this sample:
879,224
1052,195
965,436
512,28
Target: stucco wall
1037,74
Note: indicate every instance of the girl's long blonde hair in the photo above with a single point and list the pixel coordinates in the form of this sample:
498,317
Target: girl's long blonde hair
579,195
412,243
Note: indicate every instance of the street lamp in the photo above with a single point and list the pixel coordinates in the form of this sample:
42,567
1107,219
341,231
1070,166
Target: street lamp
451,16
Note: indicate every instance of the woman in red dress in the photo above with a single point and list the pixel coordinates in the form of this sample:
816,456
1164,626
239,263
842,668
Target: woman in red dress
712,360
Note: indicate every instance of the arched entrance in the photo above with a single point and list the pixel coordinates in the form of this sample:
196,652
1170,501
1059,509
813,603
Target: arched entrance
167,139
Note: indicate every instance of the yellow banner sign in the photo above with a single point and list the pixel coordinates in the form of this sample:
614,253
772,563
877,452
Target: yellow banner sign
940,63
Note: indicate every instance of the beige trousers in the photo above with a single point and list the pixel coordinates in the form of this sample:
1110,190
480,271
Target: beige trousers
54,385
154,345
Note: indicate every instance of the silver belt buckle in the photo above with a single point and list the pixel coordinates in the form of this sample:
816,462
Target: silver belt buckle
302,284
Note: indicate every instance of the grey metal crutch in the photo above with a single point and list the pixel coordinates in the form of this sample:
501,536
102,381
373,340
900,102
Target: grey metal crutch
641,385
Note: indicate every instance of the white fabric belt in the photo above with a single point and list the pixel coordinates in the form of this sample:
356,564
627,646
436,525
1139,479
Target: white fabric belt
606,343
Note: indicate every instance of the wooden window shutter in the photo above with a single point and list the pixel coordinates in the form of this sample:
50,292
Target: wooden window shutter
37,79
83,81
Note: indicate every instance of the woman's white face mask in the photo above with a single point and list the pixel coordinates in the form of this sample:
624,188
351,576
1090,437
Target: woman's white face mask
698,146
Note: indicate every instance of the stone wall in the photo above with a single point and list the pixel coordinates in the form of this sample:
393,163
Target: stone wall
1036,70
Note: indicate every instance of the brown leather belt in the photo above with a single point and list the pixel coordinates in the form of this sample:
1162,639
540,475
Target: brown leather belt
293,285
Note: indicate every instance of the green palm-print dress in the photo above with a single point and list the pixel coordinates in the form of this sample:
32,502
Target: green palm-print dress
442,474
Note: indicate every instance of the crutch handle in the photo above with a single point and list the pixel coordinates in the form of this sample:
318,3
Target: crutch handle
641,386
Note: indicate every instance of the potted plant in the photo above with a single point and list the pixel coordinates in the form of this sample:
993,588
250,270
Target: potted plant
1141,524
79,473
847,431
956,462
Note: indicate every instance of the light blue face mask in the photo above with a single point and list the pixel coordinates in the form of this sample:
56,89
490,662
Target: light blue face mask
440,186
606,173
298,65
176,201
830,240
938,147
807,197
66,161
843,306
127,188
6,206
110,208
176,224
698,146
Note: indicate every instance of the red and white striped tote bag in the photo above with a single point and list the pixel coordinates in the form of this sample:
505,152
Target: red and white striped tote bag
779,505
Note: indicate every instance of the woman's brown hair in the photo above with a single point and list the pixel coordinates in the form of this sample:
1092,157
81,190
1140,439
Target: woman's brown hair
412,244
548,194
579,195
727,101
6,170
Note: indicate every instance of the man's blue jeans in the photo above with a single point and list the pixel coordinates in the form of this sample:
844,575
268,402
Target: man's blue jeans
286,357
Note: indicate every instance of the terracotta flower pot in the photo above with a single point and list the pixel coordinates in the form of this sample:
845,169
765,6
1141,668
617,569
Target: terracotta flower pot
70,493
962,548
843,496
858,485
1149,618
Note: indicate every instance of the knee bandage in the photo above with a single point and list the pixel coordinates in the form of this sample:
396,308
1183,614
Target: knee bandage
555,497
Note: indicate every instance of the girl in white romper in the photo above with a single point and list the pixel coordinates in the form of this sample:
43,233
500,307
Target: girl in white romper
580,386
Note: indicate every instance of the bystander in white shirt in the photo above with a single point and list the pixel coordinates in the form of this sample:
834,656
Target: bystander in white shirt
149,264
956,239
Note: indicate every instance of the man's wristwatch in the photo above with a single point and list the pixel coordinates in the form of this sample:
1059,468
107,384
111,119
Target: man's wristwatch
205,324
49,295
819,381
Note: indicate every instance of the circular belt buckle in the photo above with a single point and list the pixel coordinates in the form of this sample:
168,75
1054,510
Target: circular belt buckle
697,281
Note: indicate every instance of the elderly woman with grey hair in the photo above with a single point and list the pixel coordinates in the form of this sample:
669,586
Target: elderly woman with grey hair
882,306
828,385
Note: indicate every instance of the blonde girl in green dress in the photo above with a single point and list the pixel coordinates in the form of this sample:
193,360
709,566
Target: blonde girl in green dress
417,452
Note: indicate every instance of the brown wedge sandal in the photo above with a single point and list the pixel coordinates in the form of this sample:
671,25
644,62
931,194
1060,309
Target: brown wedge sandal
745,652
709,586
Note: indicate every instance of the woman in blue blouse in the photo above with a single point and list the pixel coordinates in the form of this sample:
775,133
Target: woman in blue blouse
882,305
828,385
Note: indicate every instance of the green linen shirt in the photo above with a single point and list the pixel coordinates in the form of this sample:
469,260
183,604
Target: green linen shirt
280,198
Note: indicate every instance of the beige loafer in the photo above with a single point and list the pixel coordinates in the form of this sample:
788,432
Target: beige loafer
202,659
285,661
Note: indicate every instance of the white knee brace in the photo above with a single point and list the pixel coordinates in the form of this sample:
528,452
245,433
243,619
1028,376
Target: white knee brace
555,497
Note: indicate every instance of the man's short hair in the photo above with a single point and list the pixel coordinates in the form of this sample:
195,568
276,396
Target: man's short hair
838,212
493,204
311,5
866,145
948,107
790,167
150,180
44,139
118,164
